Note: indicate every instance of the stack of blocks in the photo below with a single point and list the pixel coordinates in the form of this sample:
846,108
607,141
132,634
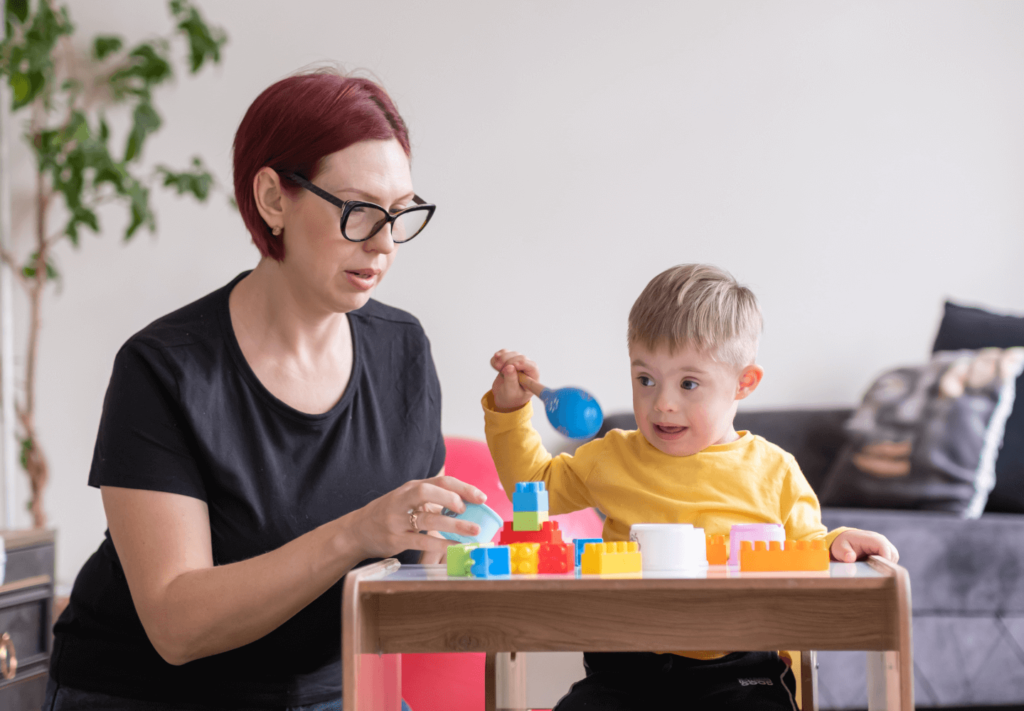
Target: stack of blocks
528,544
529,506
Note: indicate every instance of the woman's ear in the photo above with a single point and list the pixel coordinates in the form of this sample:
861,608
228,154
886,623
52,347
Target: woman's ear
750,378
266,187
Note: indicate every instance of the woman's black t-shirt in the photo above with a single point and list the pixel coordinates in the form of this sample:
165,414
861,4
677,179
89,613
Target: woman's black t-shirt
184,413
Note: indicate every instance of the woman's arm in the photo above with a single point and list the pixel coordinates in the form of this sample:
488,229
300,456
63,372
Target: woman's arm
191,608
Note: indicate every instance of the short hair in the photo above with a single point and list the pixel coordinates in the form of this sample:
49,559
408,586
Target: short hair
297,122
701,306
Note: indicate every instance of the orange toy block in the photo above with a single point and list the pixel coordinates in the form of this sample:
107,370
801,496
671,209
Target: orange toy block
557,558
525,558
610,558
795,555
548,533
718,552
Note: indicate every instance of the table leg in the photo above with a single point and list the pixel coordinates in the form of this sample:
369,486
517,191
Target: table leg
808,681
510,680
490,682
359,637
891,673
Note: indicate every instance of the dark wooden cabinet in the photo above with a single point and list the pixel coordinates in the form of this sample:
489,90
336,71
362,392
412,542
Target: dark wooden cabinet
26,619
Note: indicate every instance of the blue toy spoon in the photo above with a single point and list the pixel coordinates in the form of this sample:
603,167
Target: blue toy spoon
573,412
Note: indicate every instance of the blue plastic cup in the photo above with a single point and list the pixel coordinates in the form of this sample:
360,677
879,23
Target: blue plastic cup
480,514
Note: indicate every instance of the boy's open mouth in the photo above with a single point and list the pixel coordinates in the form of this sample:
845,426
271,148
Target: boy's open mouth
667,431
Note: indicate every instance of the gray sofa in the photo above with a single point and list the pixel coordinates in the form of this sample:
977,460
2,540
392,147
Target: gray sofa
967,581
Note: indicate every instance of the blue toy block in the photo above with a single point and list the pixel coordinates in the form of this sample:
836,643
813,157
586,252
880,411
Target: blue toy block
581,543
491,561
530,496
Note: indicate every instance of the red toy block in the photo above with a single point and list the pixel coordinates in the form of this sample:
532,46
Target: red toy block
557,558
718,552
548,533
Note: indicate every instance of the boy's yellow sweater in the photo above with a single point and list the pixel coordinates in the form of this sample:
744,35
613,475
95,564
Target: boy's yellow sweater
630,481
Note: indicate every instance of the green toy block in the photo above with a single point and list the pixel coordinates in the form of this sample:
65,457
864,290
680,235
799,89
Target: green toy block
528,520
459,559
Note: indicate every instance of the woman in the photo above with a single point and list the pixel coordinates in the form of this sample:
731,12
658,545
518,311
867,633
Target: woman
261,442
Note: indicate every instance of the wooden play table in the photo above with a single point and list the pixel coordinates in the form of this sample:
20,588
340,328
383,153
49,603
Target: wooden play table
389,608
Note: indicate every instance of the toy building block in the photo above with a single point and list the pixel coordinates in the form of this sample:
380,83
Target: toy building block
581,543
794,555
459,560
525,560
556,558
530,496
490,561
718,552
548,533
528,520
610,558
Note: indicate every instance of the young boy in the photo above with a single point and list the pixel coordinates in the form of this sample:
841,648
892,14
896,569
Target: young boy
692,337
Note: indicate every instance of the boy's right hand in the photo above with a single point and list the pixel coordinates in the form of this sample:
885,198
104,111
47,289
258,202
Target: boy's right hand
509,394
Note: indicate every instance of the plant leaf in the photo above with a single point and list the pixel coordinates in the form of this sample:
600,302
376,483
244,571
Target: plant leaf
204,42
196,181
145,121
105,45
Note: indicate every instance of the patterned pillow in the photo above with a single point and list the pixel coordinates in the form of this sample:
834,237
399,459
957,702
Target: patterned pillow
966,327
927,437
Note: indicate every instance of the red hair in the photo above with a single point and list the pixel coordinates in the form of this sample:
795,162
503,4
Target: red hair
297,122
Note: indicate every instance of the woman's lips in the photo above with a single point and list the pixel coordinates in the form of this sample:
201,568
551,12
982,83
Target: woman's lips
669,432
362,279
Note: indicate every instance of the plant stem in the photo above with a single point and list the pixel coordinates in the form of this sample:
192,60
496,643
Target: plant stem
35,460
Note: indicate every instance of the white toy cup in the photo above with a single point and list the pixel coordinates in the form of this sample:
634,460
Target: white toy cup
666,547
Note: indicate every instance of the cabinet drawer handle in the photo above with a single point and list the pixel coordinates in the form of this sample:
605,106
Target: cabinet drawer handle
8,659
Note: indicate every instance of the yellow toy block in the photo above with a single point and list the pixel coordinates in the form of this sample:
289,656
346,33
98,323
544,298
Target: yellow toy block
717,551
525,558
610,558
795,555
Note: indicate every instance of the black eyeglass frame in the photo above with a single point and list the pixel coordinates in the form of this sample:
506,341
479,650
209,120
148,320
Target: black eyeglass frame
348,205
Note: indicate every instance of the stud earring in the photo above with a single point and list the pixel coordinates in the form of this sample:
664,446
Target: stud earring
276,231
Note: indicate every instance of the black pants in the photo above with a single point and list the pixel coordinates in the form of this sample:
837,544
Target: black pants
623,681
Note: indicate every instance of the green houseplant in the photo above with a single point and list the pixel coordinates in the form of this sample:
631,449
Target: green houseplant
66,96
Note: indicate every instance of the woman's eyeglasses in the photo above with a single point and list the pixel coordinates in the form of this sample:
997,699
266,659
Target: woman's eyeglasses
362,220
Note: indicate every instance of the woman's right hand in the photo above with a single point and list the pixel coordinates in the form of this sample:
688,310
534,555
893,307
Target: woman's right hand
383,528
509,393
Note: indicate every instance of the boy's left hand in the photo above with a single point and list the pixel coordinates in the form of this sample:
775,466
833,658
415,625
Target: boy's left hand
854,544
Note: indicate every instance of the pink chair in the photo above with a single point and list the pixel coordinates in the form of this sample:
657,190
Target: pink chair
455,682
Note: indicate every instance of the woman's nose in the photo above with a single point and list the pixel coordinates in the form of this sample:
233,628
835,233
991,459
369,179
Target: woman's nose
382,241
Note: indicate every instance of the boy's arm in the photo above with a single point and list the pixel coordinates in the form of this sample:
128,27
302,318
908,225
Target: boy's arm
519,455
801,512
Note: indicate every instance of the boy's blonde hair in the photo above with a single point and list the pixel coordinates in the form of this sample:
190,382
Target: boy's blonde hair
698,305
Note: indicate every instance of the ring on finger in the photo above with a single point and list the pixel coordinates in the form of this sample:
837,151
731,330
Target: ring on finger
413,524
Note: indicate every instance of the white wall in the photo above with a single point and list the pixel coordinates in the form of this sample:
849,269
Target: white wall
855,163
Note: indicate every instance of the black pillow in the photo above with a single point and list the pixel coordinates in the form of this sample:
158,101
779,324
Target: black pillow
972,328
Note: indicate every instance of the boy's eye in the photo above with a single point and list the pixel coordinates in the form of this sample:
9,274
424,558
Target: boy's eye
645,381
689,385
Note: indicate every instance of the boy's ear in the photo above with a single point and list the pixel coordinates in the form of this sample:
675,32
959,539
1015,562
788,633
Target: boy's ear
750,378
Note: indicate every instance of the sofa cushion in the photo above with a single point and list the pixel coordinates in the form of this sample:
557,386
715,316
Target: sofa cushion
955,565
965,327
927,436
